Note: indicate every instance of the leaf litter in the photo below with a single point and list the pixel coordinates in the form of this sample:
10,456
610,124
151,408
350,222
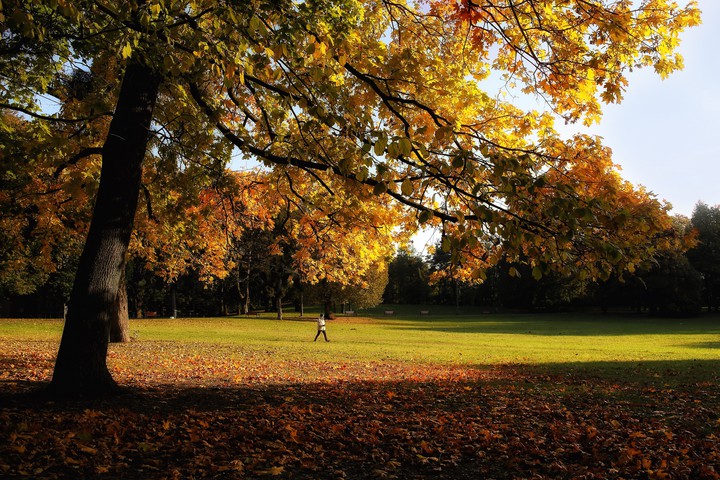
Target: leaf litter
214,411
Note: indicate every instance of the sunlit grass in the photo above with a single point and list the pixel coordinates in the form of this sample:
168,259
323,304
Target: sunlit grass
605,345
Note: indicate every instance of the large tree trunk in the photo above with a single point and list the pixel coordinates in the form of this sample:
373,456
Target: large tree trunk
81,365
120,317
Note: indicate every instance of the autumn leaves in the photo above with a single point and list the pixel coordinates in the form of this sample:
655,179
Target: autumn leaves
208,412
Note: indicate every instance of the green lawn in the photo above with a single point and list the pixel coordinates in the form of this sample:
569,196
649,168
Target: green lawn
604,345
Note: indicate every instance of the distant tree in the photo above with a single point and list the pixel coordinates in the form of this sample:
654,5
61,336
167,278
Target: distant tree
627,292
365,292
370,292
408,279
673,286
516,287
705,256
665,285
447,288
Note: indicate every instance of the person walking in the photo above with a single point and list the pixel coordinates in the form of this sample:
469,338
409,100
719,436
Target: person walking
321,327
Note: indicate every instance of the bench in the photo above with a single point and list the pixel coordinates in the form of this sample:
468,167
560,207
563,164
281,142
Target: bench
389,312
424,312
350,312
253,313
150,314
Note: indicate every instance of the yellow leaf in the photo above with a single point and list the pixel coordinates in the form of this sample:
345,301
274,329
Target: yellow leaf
126,51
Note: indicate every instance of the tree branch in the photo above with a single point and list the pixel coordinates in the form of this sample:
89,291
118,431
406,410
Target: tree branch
49,118
85,152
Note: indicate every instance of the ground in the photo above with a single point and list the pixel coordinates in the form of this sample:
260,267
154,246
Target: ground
365,406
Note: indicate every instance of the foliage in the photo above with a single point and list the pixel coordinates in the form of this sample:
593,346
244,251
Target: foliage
673,287
42,221
515,287
666,286
705,256
384,95
407,279
366,292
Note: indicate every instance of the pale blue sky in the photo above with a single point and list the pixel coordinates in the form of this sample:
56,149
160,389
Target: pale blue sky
665,132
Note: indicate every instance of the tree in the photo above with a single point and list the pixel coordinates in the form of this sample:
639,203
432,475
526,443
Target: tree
364,291
332,240
705,256
408,279
517,288
384,95
673,288
41,224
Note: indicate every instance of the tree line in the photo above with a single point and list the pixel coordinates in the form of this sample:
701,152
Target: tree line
245,245
677,282
257,276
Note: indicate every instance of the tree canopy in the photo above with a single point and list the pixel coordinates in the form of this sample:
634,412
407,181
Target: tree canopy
356,97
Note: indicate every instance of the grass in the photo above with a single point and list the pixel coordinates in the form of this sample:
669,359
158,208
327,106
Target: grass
604,345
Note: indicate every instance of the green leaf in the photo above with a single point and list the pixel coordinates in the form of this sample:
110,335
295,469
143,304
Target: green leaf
405,146
537,273
445,245
407,187
479,274
380,145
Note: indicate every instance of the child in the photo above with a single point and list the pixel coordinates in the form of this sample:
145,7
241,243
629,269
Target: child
321,327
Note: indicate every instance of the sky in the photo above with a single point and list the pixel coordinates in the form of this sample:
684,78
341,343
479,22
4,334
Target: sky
664,135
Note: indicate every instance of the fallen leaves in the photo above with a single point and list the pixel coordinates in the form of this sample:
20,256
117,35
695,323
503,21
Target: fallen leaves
222,412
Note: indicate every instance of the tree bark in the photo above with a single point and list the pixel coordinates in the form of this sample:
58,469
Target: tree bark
173,300
246,305
238,288
120,317
81,364
279,299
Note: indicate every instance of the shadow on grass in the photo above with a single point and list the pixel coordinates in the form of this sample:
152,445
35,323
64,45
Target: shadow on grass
566,324
704,345
570,420
634,375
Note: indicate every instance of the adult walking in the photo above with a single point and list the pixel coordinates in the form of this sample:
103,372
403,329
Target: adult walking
321,327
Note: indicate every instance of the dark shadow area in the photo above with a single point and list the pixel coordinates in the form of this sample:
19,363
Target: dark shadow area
704,345
658,374
567,324
589,420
